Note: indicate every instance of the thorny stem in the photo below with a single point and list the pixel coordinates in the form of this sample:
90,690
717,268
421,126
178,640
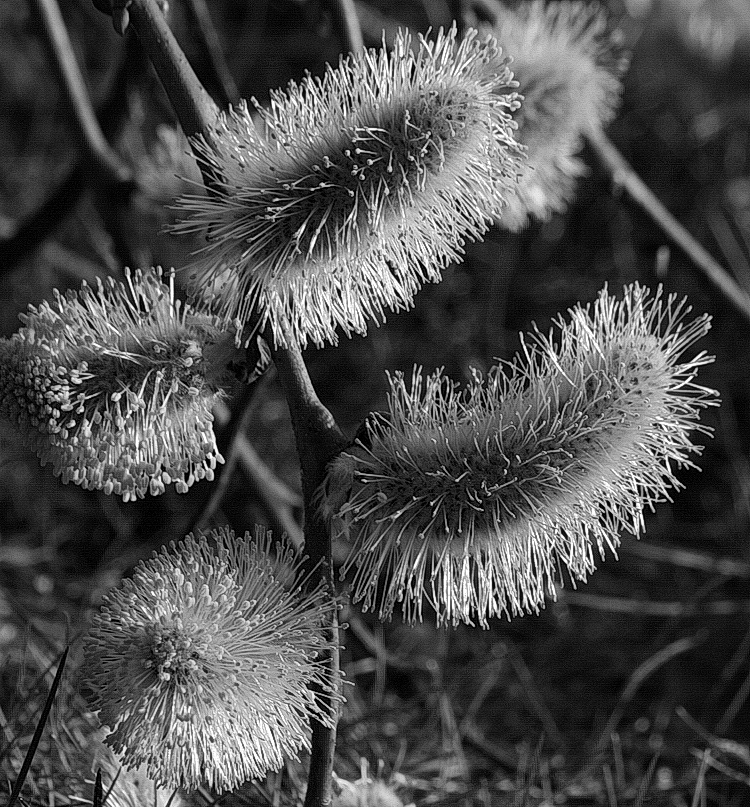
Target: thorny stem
627,179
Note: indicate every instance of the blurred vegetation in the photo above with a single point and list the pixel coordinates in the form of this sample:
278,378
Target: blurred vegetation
632,691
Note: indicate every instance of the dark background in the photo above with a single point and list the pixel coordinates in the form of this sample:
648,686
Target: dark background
571,706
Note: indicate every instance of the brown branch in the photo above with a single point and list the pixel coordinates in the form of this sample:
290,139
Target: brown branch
625,177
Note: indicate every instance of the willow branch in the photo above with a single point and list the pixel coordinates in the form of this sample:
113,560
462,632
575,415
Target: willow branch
625,177
319,439
208,39
194,107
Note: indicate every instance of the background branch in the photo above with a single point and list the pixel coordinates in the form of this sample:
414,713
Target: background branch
346,24
35,227
208,39
107,161
623,176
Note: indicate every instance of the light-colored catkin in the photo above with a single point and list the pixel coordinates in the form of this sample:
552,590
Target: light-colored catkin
201,663
114,386
473,500
360,186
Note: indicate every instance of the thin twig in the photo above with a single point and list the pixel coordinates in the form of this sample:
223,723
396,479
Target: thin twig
731,773
37,226
505,755
728,243
319,439
738,701
208,38
728,672
637,678
107,161
534,697
375,646
222,417
346,23
623,176
28,759
277,498
660,608
676,556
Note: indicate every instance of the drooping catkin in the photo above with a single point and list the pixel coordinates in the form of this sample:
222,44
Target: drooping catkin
473,500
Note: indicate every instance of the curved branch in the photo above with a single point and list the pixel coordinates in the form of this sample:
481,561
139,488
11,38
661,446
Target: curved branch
107,161
38,225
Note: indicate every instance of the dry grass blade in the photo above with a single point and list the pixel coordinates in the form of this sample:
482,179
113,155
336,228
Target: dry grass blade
700,783
39,729
640,796
640,674
98,798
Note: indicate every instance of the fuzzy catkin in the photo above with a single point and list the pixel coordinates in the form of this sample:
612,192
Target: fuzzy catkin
114,386
474,500
201,663
568,63
363,185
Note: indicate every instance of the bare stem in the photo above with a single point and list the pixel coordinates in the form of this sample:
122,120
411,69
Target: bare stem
347,25
626,178
107,161
193,106
319,439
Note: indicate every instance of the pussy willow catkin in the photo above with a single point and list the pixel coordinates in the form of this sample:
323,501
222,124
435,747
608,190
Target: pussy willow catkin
201,663
114,386
362,185
568,62
474,500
